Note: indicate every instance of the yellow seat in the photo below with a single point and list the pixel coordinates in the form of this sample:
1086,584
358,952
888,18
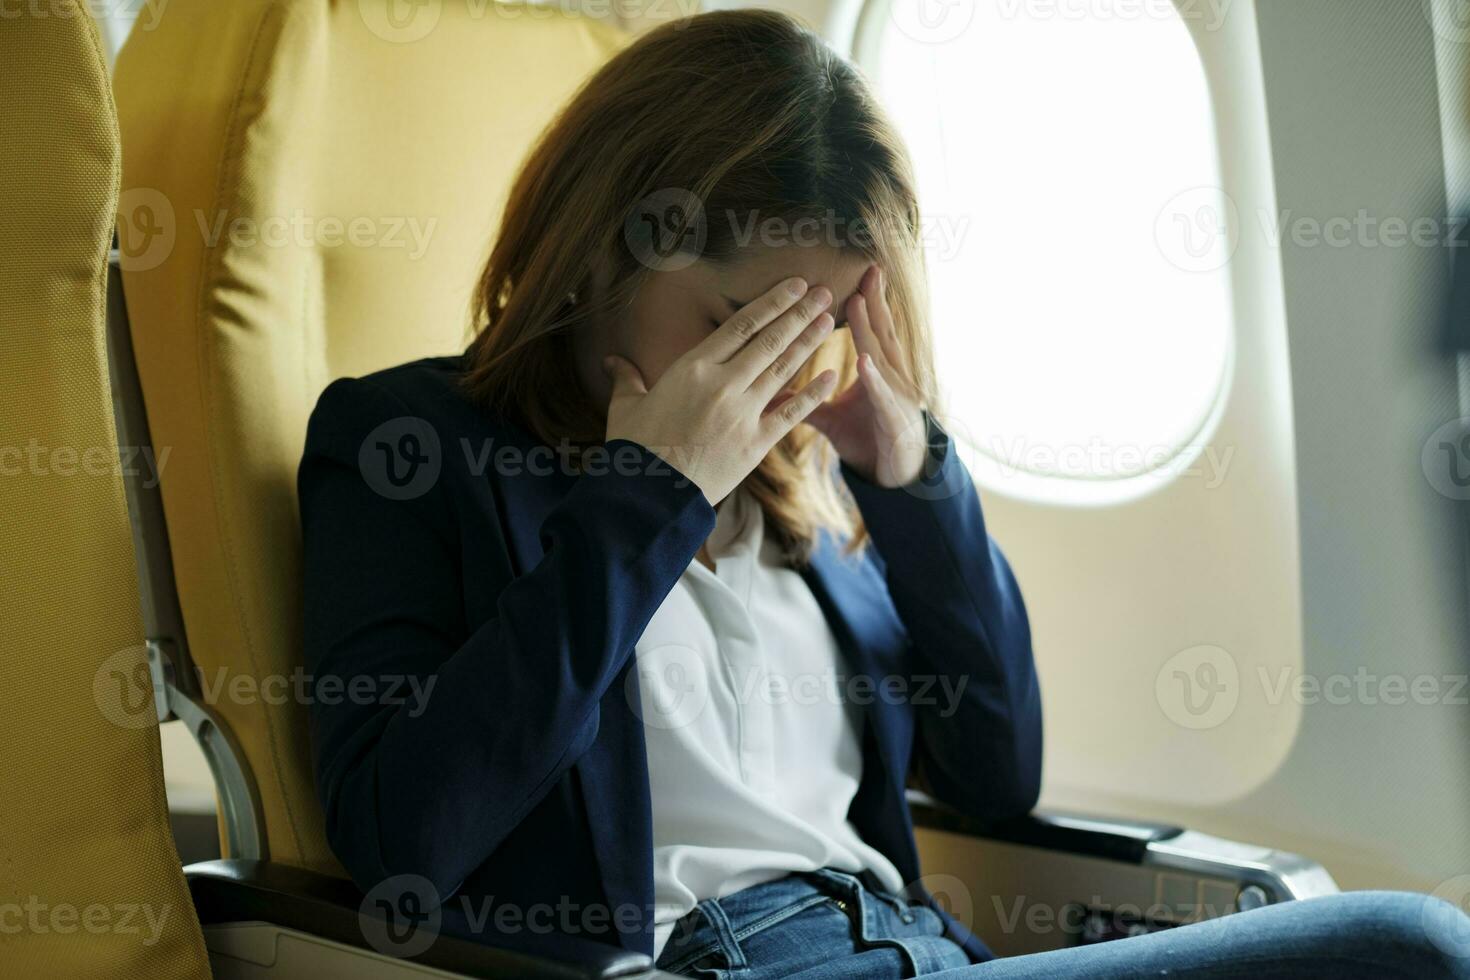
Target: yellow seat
309,191
90,884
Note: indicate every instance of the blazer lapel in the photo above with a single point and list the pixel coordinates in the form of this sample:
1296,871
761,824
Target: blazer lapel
855,599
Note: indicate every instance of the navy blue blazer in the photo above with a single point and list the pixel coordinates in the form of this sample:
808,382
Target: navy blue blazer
444,546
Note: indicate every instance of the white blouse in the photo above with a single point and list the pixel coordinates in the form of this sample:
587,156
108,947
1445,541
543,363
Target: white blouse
753,757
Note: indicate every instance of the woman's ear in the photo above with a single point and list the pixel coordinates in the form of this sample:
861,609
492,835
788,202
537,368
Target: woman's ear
598,281
592,338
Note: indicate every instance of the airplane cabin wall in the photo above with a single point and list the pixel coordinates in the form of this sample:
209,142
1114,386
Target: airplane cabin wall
1377,790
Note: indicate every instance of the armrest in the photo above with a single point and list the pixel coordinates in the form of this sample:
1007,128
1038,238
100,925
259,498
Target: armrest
1278,875
296,898
1116,840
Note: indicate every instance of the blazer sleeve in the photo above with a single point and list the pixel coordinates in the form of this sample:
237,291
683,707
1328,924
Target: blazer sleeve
453,734
980,751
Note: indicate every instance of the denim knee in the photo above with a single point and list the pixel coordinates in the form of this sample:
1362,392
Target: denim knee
1418,928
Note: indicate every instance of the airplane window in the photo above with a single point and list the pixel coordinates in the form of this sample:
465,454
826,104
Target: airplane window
1077,239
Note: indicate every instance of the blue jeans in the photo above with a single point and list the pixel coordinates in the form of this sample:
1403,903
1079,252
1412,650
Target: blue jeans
827,925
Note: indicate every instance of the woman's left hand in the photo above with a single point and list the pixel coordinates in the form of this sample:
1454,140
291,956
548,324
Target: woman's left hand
877,424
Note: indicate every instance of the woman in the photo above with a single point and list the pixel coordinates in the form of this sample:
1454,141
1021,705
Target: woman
693,587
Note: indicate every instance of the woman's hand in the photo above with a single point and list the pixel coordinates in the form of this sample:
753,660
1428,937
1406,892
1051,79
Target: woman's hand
705,416
877,425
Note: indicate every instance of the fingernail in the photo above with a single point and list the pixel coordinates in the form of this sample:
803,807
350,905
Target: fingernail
796,286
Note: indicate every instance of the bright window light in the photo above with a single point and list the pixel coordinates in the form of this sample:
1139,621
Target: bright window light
1076,234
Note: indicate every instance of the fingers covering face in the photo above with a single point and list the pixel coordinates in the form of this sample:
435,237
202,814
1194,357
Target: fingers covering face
773,341
735,333
792,412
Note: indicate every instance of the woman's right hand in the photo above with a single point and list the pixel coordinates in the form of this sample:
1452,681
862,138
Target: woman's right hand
706,415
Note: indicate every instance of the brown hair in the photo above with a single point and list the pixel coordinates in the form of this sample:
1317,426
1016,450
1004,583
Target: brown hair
742,112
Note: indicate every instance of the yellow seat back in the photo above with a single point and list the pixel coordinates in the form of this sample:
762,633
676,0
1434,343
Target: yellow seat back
90,884
309,189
